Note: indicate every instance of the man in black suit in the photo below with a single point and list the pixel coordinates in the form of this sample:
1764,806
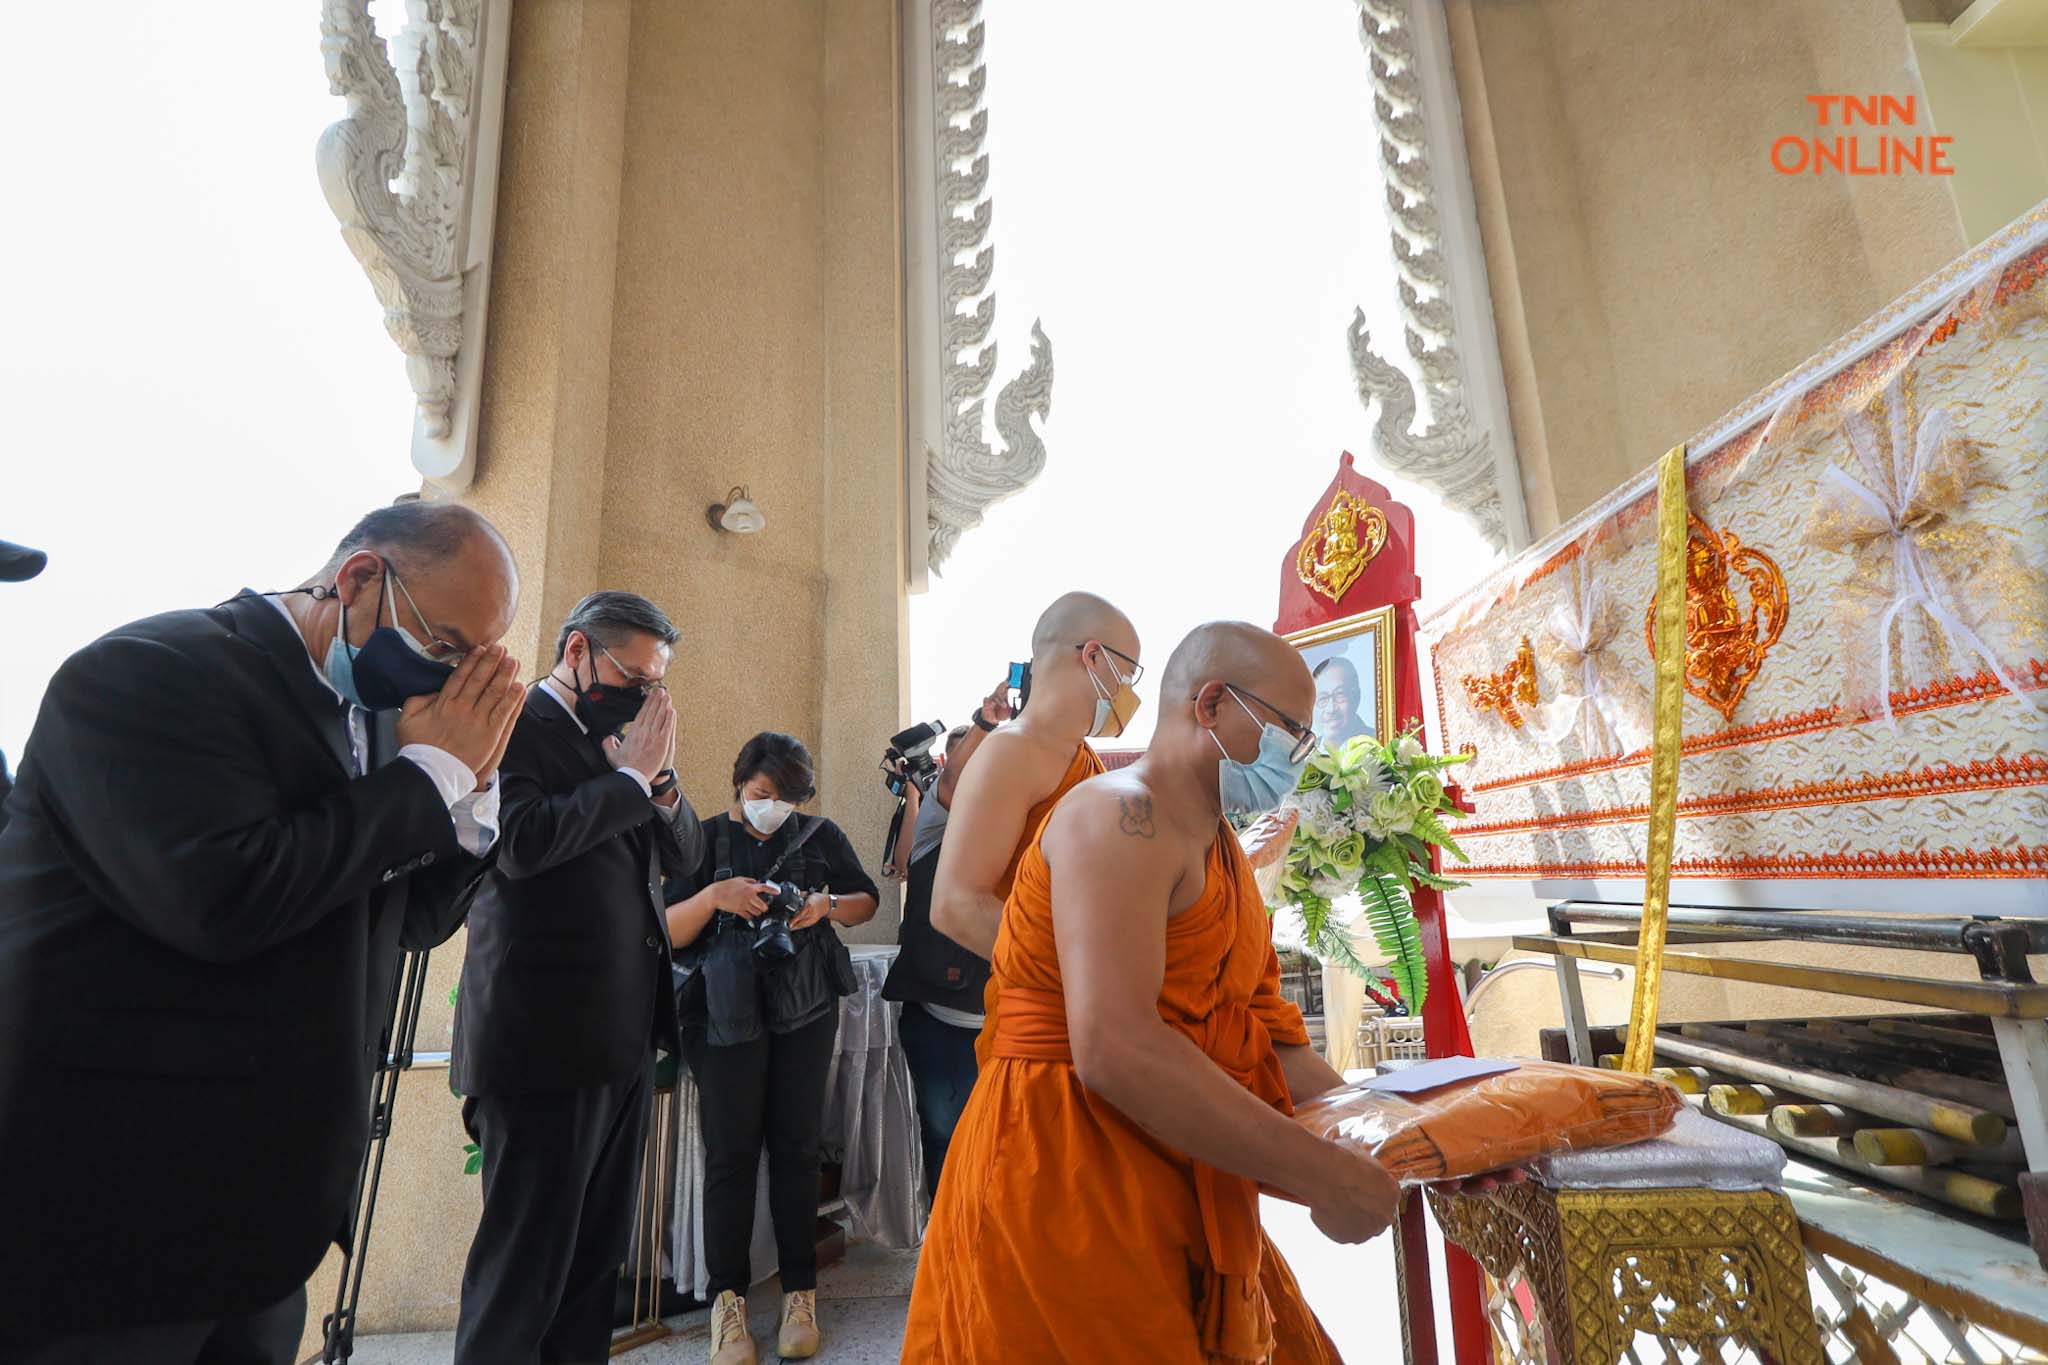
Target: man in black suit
566,988
227,825
18,564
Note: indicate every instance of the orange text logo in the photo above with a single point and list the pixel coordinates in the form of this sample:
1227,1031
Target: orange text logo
1850,153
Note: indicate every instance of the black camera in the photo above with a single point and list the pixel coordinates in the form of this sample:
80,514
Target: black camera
908,759
783,902
909,756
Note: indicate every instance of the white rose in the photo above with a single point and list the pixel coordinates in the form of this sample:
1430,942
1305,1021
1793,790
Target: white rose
1408,748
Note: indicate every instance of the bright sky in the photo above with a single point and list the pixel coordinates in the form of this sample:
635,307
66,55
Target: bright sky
200,394
1195,230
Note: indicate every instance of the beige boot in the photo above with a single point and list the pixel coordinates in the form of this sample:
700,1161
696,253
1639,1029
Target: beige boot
798,1339
730,1343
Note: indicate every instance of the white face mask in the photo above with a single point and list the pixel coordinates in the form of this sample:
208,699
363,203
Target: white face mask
767,816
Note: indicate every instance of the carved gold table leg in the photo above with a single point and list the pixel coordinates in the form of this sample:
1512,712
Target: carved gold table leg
1691,1266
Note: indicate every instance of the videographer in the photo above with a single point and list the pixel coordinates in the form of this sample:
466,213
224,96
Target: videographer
938,982
760,1012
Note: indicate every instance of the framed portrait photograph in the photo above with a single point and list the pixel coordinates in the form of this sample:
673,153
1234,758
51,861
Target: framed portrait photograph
1353,664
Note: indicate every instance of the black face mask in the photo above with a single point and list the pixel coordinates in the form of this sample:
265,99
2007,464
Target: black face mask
605,710
385,671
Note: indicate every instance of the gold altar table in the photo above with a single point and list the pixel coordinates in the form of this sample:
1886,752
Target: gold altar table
1697,1267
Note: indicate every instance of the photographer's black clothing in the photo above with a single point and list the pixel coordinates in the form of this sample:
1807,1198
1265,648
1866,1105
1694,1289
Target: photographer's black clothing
731,994
770,1091
566,992
931,969
202,911
758,1037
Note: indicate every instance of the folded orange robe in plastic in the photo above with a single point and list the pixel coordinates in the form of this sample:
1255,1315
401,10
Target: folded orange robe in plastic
1063,1232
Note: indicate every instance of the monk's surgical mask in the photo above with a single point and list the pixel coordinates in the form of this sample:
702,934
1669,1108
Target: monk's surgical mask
1116,701
1260,786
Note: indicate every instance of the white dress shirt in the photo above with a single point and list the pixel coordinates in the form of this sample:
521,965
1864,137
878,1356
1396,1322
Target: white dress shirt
474,810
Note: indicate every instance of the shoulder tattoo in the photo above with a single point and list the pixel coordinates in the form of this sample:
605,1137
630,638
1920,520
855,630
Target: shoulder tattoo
1135,817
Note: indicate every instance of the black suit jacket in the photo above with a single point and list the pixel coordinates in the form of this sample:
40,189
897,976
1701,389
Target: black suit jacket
566,982
201,915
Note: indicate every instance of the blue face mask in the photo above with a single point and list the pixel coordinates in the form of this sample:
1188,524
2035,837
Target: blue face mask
388,669
1261,785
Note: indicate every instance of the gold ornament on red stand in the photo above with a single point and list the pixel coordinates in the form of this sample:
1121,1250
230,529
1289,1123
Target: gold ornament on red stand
1349,536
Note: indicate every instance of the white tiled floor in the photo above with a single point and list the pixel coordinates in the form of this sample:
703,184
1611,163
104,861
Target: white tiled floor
863,1299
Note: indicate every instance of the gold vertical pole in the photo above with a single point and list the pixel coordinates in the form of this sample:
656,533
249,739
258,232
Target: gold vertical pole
1668,730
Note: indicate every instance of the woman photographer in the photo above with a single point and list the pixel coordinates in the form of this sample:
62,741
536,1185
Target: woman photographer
760,1013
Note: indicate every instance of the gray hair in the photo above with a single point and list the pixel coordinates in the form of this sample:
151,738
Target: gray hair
604,618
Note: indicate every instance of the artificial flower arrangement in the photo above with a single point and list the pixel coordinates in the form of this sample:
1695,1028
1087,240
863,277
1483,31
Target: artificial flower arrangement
1369,814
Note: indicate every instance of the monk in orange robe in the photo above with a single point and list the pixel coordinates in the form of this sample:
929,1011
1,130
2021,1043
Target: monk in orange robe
1084,667
1101,1200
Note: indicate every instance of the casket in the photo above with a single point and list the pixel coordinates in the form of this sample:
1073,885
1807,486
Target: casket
1866,709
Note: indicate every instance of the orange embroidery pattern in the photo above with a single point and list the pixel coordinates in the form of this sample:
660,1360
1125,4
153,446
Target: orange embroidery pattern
1979,686
1499,692
1947,862
1724,645
1980,775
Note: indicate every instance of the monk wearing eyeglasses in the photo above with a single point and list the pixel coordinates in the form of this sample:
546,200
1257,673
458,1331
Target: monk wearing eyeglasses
1102,1191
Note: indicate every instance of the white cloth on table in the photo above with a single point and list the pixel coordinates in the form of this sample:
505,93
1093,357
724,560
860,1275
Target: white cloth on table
1698,1153
870,1128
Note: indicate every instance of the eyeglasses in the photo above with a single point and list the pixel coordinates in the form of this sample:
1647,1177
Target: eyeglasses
1137,670
1304,738
437,649
632,679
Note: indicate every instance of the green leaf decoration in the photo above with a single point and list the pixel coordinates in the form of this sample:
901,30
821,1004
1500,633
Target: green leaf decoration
1392,919
1431,828
451,994
473,1158
1422,876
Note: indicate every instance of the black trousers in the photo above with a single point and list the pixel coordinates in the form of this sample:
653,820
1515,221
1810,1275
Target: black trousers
269,1336
560,1172
770,1091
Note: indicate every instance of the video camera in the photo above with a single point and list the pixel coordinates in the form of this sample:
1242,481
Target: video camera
909,756
908,759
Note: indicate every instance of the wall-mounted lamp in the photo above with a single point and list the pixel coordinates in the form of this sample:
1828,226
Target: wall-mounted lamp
736,514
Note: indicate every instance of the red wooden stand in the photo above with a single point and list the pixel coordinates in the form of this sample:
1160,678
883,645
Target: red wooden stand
1389,580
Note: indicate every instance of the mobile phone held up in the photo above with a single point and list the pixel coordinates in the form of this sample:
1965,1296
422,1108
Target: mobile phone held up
1020,683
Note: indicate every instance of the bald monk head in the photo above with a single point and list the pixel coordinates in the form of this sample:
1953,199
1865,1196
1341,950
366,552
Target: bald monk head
1235,703
1084,660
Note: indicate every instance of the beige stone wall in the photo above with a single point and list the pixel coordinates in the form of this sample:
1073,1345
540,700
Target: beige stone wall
1649,268
696,284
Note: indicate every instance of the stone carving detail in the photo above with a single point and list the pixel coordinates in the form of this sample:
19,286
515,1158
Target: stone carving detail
393,170
964,475
1453,455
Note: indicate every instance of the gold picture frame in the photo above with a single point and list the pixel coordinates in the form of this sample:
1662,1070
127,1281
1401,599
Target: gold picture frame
1365,645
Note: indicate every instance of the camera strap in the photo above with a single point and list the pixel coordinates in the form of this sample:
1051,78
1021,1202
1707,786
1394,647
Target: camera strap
723,869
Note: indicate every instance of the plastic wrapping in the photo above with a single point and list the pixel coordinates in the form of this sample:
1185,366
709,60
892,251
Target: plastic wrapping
1470,1127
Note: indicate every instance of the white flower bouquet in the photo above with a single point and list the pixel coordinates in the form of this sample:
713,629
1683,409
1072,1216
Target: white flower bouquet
1370,813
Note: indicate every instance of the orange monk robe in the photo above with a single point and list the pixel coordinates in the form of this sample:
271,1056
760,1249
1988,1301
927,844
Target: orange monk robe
1083,766
1065,1232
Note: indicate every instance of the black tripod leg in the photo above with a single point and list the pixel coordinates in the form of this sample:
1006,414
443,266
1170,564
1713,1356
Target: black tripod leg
401,1027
